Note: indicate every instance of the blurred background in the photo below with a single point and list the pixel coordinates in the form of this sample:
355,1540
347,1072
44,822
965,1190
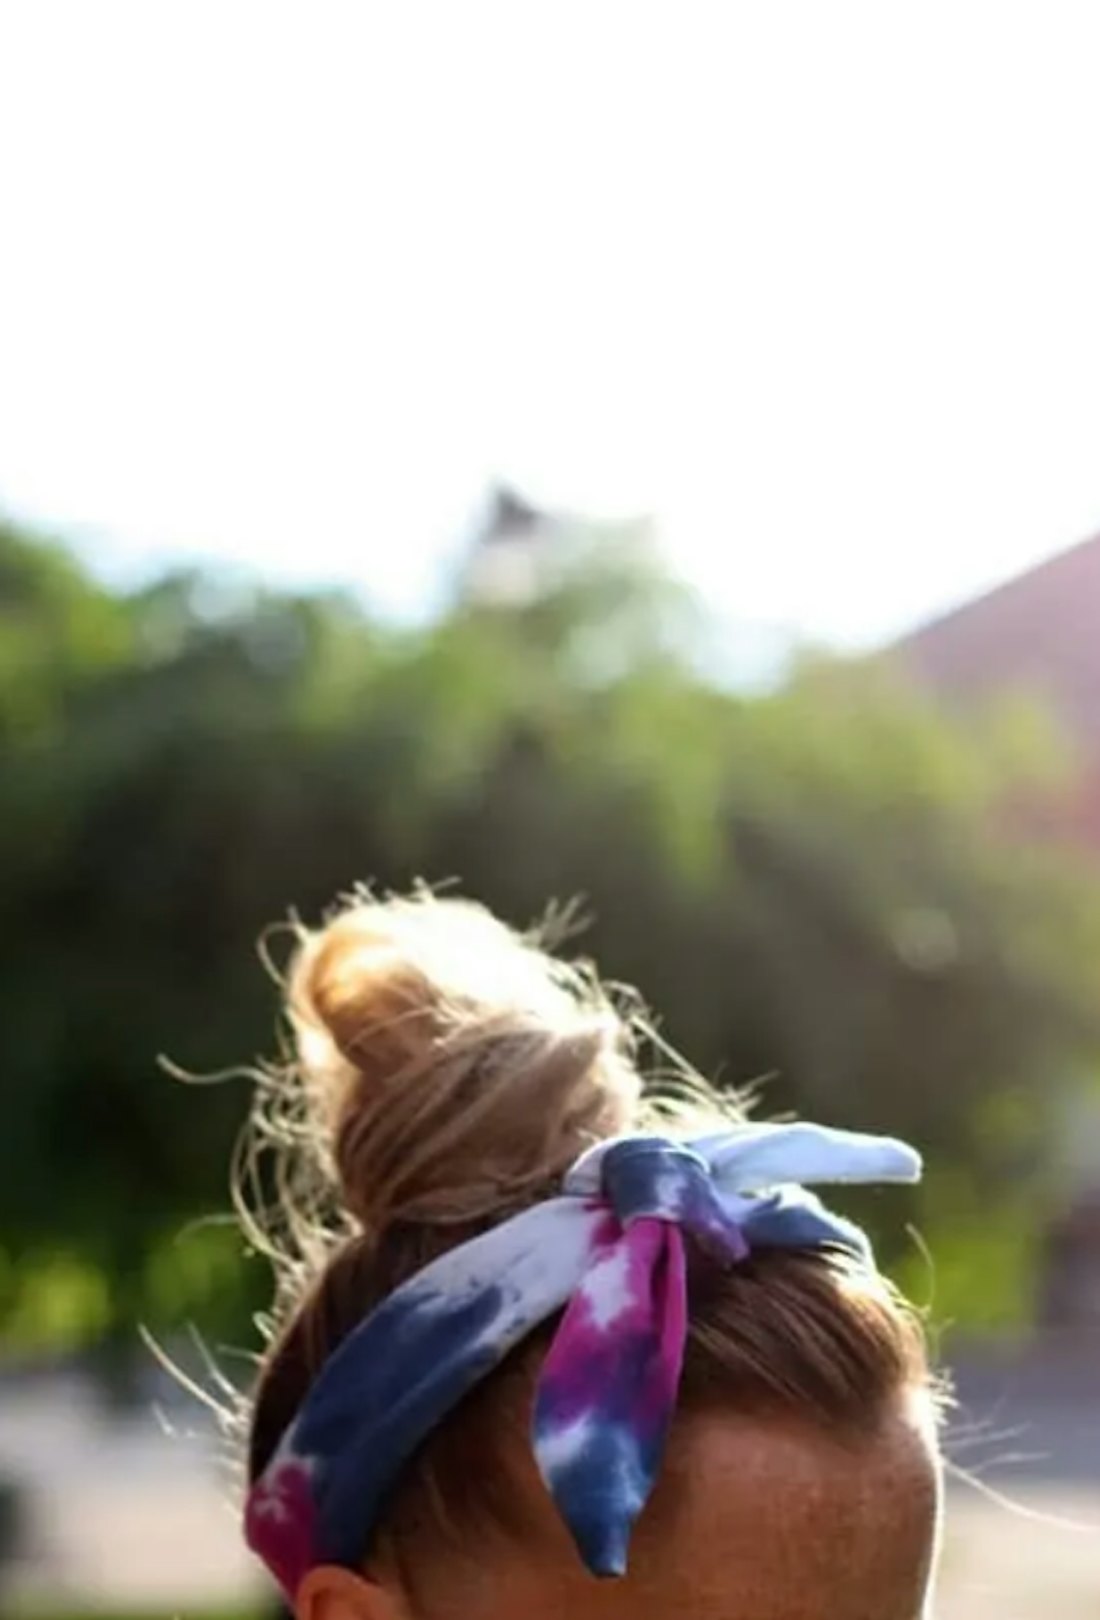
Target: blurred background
641,454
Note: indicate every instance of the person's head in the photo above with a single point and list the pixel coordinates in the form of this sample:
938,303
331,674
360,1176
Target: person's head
447,1074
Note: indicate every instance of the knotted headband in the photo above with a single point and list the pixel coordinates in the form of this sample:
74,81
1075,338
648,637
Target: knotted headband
610,1250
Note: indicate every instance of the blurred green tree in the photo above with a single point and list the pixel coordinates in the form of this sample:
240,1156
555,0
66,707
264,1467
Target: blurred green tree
817,885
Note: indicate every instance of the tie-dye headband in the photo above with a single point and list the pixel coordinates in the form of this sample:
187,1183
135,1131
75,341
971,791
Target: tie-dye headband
610,1250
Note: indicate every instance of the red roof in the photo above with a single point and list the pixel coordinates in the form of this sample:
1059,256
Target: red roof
1039,632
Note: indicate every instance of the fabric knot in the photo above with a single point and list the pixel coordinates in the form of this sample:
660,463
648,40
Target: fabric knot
650,1178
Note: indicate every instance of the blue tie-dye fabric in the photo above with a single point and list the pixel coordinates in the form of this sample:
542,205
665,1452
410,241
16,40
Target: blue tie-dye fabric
611,1251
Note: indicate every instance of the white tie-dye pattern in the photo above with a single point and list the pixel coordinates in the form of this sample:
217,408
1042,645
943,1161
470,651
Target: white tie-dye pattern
602,1508
536,1262
268,1500
755,1158
668,1192
558,1448
607,1287
626,1483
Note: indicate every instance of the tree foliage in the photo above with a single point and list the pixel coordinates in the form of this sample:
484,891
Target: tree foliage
814,885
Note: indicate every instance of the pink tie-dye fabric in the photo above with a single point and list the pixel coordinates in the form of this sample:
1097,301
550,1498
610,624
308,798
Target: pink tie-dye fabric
608,1385
280,1520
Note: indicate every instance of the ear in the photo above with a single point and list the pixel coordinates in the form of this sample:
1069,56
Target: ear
331,1593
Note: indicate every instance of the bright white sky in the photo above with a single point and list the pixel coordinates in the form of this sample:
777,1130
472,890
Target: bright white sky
818,284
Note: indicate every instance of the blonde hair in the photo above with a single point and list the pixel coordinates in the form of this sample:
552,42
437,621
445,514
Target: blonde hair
445,1071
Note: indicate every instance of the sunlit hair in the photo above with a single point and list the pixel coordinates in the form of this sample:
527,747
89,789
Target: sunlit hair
445,1072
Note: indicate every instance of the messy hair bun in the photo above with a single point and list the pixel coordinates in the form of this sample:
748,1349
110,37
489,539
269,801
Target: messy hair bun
452,1066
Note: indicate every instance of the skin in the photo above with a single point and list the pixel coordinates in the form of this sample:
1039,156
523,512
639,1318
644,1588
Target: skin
752,1520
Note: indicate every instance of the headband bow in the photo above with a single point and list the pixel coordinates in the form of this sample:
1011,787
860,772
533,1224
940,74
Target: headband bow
610,1250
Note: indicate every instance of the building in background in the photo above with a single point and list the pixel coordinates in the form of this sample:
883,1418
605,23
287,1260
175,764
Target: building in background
517,549
1039,634
509,551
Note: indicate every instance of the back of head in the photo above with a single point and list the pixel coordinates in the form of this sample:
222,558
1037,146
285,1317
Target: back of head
447,1073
